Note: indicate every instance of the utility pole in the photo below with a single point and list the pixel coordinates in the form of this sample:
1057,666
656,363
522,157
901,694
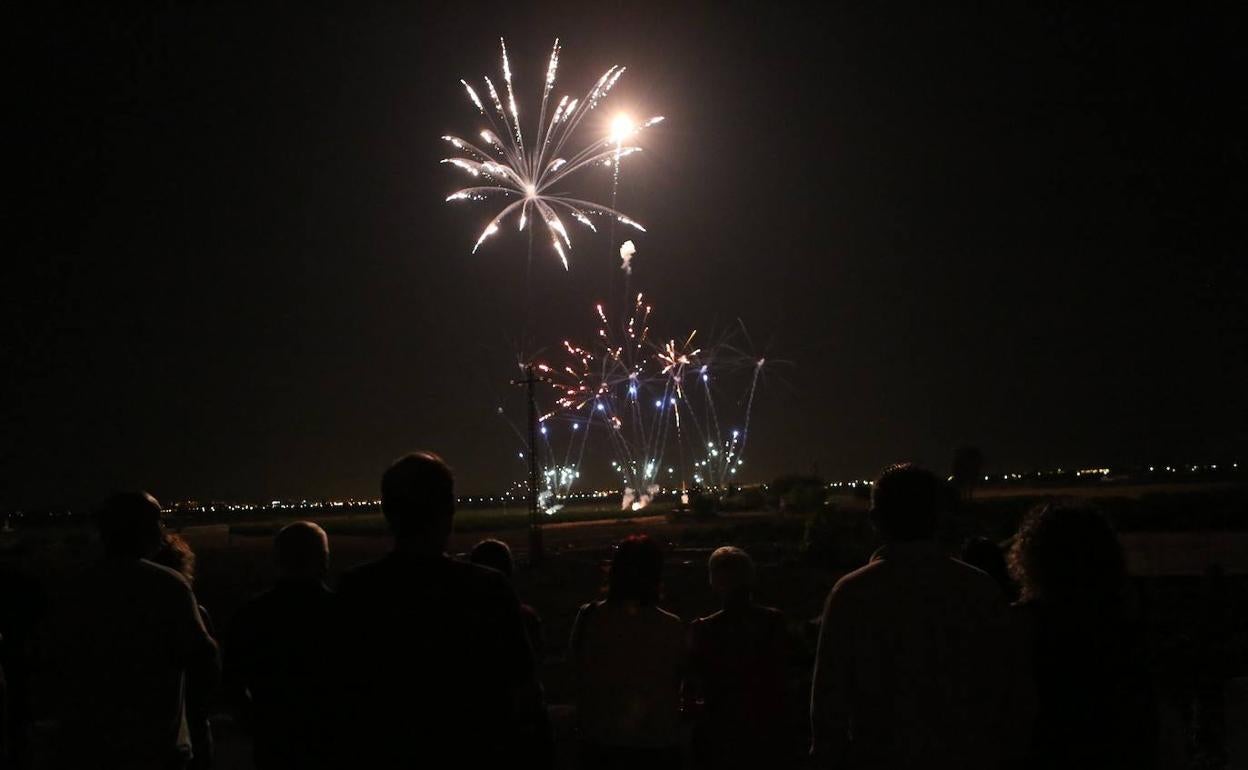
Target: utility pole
535,527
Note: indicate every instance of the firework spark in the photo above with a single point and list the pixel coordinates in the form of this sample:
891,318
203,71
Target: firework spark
526,177
654,403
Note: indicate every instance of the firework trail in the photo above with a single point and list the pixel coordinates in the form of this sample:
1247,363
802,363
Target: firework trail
525,177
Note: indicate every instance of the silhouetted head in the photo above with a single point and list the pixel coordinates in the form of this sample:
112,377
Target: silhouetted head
636,571
732,572
418,500
302,551
494,554
905,503
176,554
129,525
985,555
1067,553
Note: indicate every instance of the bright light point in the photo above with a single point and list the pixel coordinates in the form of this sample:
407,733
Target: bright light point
530,191
658,404
622,127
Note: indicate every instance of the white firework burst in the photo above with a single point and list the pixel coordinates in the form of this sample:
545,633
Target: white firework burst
525,177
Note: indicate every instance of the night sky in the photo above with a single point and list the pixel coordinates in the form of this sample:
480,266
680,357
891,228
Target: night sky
1019,228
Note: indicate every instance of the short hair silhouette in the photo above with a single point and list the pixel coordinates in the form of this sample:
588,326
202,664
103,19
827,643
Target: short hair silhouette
1068,552
418,498
731,570
905,501
636,572
129,524
302,550
494,554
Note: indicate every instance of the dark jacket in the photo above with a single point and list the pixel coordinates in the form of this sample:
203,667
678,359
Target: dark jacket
440,665
736,674
282,677
1095,705
127,639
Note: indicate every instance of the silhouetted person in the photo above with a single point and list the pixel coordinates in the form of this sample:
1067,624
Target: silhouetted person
1215,660
280,654
916,664
736,671
442,668
1095,702
627,655
177,554
22,609
496,554
130,645
987,557
5,756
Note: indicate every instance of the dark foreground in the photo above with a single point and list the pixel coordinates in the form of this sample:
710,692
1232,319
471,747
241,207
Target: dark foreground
1193,587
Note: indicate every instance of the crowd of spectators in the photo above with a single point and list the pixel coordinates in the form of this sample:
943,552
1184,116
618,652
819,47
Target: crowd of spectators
1026,657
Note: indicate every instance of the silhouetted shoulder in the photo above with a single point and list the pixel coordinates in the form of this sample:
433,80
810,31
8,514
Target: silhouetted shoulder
882,571
772,615
763,616
699,623
267,601
397,573
361,575
368,577
669,616
588,608
152,580
772,619
860,579
974,579
476,574
162,573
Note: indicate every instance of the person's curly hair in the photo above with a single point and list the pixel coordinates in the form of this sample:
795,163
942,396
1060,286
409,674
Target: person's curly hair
176,554
1067,552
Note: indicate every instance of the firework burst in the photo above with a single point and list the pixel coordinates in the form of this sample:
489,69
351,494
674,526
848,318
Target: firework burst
525,178
657,404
